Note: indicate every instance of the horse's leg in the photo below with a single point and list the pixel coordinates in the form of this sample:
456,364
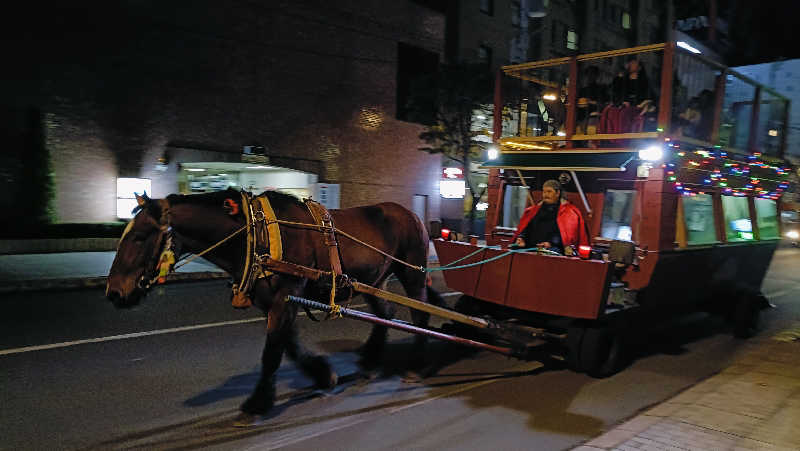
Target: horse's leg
414,284
269,297
372,350
315,366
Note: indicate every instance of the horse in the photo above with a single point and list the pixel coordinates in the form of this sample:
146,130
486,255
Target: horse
194,223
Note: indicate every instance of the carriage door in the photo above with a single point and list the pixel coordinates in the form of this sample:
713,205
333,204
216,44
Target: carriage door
419,206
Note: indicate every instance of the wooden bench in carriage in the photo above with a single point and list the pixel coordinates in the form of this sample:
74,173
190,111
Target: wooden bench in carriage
679,222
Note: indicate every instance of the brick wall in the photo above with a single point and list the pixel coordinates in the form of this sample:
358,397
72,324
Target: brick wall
312,81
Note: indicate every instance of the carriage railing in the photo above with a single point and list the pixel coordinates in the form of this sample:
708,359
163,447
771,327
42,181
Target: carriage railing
685,96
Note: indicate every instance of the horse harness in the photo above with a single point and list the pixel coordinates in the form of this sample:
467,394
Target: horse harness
264,252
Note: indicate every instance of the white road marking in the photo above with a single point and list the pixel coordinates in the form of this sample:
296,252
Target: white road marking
135,335
125,336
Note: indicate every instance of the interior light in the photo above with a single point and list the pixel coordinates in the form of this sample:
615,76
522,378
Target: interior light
773,132
652,153
688,47
492,153
195,169
792,234
549,97
561,134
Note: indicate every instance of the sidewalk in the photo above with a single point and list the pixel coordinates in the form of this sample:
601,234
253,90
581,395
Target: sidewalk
753,404
35,272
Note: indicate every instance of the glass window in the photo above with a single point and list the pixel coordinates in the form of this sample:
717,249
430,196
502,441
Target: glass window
515,13
626,21
487,7
572,40
617,213
767,218
514,202
698,212
738,226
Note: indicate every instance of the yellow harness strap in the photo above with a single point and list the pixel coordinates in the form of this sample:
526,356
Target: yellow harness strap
263,232
273,231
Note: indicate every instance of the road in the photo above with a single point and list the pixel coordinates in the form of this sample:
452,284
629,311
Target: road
170,374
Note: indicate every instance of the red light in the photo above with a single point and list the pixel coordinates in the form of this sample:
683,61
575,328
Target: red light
584,251
445,234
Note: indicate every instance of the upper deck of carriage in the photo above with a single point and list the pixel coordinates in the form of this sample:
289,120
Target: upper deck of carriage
683,126
676,96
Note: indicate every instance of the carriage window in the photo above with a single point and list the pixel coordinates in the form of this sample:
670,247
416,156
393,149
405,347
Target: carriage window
617,213
738,226
514,202
699,213
767,218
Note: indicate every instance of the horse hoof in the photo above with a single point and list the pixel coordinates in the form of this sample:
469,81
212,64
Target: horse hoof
247,420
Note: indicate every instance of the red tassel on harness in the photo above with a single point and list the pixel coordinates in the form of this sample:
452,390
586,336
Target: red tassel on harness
231,207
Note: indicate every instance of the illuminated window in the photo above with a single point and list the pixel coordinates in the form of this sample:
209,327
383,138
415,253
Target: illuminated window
617,214
127,189
626,21
738,226
767,218
699,213
572,40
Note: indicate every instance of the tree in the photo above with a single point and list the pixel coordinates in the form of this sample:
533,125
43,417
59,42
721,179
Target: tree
448,101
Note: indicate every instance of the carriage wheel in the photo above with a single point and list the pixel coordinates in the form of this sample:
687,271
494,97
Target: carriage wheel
746,316
574,339
602,352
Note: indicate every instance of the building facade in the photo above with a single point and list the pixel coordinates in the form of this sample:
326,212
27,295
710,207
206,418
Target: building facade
197,96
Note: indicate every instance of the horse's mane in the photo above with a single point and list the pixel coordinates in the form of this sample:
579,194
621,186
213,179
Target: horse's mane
216,198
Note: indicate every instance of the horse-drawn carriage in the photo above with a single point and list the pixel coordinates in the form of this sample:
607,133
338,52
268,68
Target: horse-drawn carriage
675,221
681,217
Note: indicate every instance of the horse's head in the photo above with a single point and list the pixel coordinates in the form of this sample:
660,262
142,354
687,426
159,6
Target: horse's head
140,249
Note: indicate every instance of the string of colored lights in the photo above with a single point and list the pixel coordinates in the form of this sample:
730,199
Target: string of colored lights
701,171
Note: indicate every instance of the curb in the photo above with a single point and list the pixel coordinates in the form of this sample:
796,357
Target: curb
97,282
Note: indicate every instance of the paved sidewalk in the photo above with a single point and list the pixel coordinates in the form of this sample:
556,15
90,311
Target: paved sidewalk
33,272
752,405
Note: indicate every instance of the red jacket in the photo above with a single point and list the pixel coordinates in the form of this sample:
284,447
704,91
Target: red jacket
569,220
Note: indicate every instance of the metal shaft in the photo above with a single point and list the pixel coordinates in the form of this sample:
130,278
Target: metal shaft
419,305
400,325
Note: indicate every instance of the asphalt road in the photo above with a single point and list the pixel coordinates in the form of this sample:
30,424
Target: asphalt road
75,373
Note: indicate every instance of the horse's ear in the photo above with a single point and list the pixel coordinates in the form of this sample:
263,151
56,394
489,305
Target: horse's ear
143,199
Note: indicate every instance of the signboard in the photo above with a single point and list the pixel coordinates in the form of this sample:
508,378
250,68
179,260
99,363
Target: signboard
452,173
452,189
327,194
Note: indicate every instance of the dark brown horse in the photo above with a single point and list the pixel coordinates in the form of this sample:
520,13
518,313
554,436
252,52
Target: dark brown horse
193,223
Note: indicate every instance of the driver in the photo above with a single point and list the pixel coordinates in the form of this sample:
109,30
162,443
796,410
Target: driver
552,224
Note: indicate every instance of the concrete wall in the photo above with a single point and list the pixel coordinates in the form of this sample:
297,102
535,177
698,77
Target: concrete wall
122,83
